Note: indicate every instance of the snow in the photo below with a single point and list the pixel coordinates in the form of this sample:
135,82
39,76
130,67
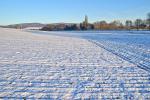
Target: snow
32,28
133,46
35,66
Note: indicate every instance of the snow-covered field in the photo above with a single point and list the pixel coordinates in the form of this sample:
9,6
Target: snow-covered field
35,66
132,46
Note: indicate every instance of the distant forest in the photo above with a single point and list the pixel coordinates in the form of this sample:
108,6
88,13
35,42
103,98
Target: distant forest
138,24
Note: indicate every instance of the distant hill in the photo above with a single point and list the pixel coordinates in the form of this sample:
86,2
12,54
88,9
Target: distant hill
25,25
1,26
34,25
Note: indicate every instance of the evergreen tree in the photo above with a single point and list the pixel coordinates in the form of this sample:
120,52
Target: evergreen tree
138,23
128,24
148,20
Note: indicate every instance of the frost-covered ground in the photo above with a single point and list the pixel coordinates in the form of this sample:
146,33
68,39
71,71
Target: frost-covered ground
133,46
34,66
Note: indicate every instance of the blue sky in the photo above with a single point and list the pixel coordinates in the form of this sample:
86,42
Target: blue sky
52,11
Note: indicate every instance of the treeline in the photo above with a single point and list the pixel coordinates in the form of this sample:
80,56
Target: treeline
138,24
